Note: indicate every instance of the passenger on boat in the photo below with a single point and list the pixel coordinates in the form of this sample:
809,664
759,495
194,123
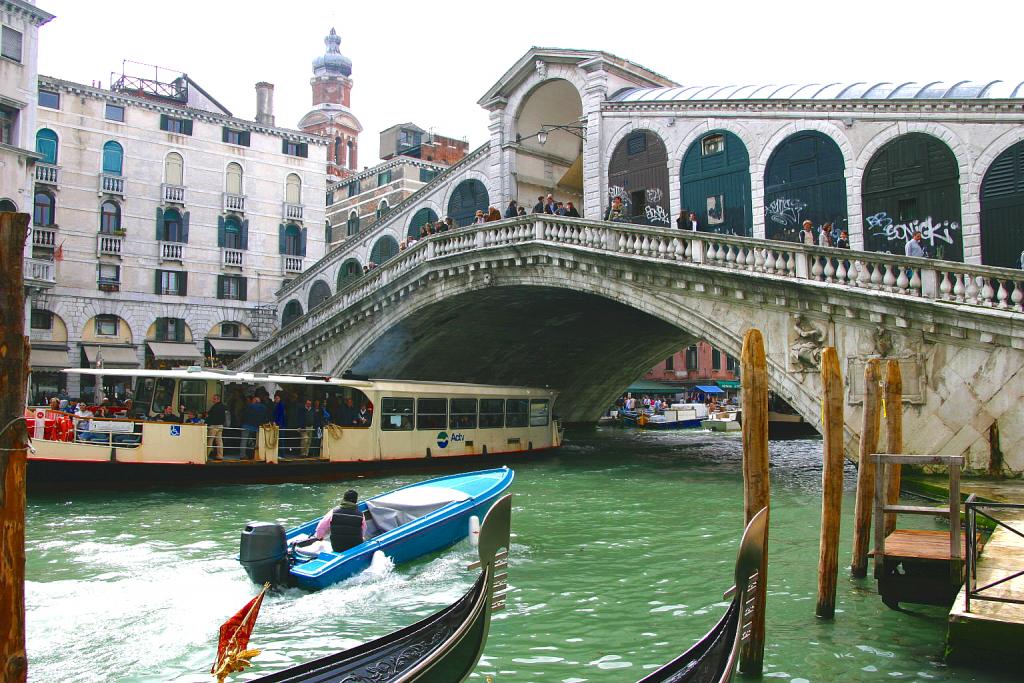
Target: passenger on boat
215,419
307,420
253,416
83,421
347,413
345,524
168,415
364,416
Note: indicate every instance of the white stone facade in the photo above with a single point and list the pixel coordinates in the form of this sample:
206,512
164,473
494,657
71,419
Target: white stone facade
277,188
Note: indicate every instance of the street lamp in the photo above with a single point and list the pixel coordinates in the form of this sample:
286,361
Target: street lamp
578,131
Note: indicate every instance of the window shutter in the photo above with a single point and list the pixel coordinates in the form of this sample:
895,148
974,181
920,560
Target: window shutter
220,231
220,286
156,286
224,134
280,238
242,287
302,242
186,126
184,227
183,283
284,146
163,122
159,224
245,138
303,150
245,234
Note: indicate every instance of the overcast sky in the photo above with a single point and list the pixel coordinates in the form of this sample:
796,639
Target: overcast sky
429,62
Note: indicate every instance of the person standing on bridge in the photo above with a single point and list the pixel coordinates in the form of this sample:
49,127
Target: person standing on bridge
513,209
807,235
539,206
493,214
571,211
915,247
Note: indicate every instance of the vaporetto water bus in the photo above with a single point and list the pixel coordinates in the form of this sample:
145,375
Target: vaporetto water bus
357,424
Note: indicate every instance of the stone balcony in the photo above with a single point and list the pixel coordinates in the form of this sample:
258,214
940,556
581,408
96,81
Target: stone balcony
234,202
291,264
40,273
47,174
111,184
44,236
172,194
109,245
292,212
171,251
232,258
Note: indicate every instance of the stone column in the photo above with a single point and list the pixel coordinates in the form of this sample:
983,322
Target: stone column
594,92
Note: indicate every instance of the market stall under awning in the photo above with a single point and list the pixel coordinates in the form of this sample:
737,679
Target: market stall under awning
709,389
648,387
48,358
113,356
231,347
175,351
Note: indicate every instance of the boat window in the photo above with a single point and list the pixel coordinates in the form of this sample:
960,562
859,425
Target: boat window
463,412
192,395
163,396
397,414
431,413
516,412
539,412
143,394
492,413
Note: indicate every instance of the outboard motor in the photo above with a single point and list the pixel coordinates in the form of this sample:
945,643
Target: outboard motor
264,553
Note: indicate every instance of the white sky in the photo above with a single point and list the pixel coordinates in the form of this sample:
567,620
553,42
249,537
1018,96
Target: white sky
429,62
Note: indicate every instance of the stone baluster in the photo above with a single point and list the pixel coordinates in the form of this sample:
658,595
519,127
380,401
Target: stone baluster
688,251
971,292
662,248
945,288
841,271
888,278
863,277
677,249
959,288
987,292
751,258
781,265
902,281
830,270
711,253
816,269
876,276
644,246
1003,295
730,255
1017,297
622,242
758,259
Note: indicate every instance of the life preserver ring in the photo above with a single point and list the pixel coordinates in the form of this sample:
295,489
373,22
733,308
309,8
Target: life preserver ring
67,429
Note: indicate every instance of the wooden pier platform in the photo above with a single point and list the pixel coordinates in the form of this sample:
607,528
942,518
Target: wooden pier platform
992,630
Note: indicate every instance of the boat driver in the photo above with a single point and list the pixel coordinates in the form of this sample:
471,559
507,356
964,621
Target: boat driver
344,523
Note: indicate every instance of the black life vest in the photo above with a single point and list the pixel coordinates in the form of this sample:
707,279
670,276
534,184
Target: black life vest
346,528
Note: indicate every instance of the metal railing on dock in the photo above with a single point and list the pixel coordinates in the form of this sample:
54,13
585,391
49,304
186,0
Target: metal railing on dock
972,509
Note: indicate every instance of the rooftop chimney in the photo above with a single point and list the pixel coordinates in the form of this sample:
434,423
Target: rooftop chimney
265,103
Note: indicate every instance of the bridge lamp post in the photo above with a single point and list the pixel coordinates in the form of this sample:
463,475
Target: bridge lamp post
578,131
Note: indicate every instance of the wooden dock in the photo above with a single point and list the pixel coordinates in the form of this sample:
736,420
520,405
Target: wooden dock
992,630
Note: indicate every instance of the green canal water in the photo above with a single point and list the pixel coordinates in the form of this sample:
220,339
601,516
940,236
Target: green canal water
623,543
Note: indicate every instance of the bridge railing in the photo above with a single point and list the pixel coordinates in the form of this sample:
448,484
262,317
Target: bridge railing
919,278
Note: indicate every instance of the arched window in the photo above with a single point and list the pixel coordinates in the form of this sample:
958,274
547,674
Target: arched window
292,240
174,169
351,154
170,226
804,180
352,227
293,189
110,217
385,248
1002,209
232,233
318,294
349,271
382,208
714,182
292,312
638,174
8,205
44,213
469,197
46,144
337,151
234,179
113,158
420,219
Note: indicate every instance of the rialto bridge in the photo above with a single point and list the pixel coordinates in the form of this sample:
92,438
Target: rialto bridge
586,305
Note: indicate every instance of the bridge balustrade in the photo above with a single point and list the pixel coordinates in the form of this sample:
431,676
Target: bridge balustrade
918,278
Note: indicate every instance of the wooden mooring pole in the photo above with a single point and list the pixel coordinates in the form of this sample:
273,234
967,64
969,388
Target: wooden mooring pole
866,468
831,482
893,435
756,489
13,437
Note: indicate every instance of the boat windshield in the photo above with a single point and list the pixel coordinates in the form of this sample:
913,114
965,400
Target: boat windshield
401,507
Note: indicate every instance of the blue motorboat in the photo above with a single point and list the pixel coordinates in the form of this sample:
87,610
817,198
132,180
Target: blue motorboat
404,524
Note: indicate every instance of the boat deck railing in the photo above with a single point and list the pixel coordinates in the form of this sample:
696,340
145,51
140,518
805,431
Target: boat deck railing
988,511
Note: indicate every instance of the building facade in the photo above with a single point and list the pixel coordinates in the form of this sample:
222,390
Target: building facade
695,365
170,225
409,140
331,116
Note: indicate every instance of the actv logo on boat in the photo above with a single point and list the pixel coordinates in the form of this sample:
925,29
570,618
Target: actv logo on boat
443,438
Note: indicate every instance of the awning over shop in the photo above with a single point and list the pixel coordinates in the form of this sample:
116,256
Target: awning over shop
728,384
708,389
42,358
646,387
113,356
175,351
231,346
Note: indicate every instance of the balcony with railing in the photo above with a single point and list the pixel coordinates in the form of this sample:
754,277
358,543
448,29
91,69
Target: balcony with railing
43,236
232,258
40,272
171,251
291,264
111,184
109,245
292,212
47,174
172,194
234,202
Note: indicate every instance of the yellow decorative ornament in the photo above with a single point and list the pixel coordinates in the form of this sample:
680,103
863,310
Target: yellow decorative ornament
234,662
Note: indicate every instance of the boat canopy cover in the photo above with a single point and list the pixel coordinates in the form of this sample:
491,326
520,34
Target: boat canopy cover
401,507
708,389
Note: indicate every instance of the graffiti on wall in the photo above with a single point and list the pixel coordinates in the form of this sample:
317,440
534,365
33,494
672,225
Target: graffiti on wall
933,232
654,195
786,211
656,214
716,209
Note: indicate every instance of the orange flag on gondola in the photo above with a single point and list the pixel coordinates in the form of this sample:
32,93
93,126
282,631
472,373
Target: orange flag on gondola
232,648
